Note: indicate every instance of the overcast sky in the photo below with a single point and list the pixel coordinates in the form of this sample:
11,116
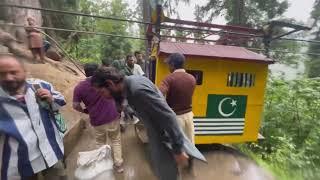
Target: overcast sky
299,10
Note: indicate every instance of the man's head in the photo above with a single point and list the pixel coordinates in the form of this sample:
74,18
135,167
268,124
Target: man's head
138,56
31,21
105,62
108,79
12,73
130,61
90,68
176,61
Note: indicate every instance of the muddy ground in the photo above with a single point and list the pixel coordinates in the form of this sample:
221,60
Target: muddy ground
222,164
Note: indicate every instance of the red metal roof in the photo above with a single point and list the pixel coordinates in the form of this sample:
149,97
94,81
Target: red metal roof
216,51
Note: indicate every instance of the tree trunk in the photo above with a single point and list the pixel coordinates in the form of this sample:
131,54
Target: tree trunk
146,18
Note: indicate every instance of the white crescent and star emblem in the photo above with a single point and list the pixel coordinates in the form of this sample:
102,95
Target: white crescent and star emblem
233,104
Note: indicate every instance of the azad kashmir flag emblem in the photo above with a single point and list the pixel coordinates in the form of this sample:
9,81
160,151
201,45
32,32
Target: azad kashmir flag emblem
225,116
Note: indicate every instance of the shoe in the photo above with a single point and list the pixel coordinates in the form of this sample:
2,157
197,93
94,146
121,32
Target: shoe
118,169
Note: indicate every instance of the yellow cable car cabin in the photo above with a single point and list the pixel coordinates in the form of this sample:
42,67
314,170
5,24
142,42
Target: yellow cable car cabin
228,100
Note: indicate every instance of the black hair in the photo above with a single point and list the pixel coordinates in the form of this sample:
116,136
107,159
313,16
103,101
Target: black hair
176,60
137,52
90,68
105,62
103,74
128,56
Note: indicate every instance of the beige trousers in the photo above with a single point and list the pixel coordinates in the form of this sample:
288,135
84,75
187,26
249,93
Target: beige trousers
186,123
111,131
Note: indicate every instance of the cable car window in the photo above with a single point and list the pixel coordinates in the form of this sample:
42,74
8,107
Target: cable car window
237,79
198,75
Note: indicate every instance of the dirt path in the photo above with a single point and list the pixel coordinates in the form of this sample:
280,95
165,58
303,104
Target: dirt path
221,165
136,166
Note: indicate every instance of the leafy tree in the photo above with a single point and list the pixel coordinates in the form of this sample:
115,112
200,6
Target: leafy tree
254,14
115,47
314,63
250,12
291,128
168,5
139,15
97,47
59,20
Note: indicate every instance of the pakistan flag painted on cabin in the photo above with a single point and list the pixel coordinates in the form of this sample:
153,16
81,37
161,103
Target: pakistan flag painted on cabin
225,116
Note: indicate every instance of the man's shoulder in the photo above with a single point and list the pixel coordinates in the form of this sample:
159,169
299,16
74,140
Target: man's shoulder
191,76
42,83
118,63
184,75
137,81
133,79
35,80
136,65
82,84
175,77
170,77
85,81
139,69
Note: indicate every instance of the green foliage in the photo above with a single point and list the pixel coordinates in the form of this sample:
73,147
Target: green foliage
59,20
115,47
169,5
314,63
254,13
249,12
292,59
94,48
291,127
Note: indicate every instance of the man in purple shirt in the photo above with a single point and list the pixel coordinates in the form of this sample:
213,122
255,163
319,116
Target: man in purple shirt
103,114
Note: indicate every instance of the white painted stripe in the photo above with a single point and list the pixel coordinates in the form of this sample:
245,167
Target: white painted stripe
219,128
217,132
218,124
2,138
13,171
218,119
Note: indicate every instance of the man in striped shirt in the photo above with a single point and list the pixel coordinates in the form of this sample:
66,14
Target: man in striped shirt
30,142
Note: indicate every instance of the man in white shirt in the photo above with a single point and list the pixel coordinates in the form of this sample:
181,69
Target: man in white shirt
131,68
